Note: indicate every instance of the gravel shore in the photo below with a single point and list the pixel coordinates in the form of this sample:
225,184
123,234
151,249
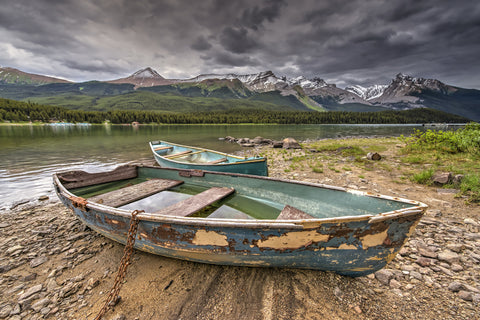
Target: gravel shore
53,267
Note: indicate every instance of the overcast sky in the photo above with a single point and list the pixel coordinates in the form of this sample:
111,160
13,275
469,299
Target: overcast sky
342,41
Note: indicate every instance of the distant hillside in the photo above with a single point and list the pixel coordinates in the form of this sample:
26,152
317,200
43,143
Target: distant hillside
15,76
146,89
150,101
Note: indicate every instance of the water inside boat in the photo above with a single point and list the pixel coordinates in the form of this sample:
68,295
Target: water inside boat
234,206
252,199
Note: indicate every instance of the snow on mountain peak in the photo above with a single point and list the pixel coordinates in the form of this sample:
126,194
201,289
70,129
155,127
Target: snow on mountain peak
147,73
367,93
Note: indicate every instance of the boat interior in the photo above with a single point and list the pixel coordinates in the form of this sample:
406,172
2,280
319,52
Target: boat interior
222,196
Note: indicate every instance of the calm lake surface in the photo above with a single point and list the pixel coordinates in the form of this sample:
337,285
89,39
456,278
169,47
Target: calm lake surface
29,155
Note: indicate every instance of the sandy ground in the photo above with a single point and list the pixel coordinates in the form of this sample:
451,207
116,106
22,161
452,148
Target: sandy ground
69,268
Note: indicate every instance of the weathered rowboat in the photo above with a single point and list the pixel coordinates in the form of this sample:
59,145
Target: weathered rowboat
243,220
172,155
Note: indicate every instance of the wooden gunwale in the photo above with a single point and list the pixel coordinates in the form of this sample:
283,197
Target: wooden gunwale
243,223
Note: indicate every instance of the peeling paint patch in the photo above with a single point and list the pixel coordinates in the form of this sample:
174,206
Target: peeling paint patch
345,246
361,269
147,248
374,259
209,238
293,240
372,240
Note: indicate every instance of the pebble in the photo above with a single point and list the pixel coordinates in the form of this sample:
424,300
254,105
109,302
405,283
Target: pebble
448,256
38,261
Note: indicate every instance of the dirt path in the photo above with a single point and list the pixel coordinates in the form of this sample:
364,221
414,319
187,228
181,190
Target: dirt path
53,267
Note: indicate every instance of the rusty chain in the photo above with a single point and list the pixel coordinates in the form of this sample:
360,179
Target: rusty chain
113,296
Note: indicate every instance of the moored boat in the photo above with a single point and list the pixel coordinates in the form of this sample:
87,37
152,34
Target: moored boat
172,155
242,220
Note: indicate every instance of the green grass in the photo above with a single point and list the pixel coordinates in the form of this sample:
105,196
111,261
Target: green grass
423,177
453,151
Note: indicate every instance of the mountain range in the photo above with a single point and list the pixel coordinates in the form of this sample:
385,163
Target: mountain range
146,89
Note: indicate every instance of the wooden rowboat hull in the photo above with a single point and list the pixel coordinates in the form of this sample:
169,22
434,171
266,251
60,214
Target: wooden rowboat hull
171,155
331,229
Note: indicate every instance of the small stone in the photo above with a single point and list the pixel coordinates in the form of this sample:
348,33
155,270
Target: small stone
384,276
43,198
92,283
30,277
38,261
442,178
374,156
427,253
457,179
40,304
456,267
470,221
476,298
31,291
14,249
465,295
416,275
455,286
394,284
448,256
455,247
119,317
338,293
5,311
4,225
16,310
424,262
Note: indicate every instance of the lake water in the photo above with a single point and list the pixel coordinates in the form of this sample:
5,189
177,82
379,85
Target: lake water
29,155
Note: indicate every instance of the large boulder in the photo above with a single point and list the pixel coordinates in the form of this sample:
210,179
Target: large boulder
290,143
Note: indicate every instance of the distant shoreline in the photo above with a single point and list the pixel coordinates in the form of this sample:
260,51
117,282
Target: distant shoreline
215,124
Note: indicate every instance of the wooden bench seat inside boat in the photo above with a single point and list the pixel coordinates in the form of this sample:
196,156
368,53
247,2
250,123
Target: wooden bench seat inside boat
135,192
217,161
197,202
163,148
173,155
292,213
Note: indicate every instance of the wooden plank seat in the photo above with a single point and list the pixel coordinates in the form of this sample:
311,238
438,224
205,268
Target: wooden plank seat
197,202
178,154
162,148
292,213
217,161
135,192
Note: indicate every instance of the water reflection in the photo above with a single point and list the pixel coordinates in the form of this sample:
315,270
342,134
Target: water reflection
29,155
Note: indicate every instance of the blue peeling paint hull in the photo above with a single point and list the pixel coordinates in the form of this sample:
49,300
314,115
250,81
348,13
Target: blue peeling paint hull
349,245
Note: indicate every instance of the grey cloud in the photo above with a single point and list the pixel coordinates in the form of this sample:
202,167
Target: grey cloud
349,41
254,17
229,59
237,40
201,44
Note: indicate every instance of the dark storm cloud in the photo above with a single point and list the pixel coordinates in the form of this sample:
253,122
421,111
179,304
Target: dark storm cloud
201,44
237,40
254,17
343,41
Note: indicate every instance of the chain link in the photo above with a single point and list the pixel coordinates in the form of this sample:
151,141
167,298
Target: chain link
113,296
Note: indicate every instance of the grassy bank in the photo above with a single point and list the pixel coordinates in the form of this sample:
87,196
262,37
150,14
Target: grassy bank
405,160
